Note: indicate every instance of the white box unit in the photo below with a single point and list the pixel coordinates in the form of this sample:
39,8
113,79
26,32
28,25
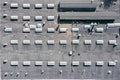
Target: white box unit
75,63
87,26
14,63
99,30
50,18
26,42
26,30
38,6
87,42
75,30
38,18
63,42
14,42
50,42
14,5
26,6
38,42
50,6
26,63
112,42
99,42
8,30
51,63
75,42
26,18
111,63
99,63
87,63
63,30
51,30
38,30
38,63
63,63
14,18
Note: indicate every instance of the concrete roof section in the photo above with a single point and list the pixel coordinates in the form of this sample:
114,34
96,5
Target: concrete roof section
78,1
87,16
78,5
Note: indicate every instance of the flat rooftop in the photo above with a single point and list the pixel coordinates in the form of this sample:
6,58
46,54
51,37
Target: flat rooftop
87,15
